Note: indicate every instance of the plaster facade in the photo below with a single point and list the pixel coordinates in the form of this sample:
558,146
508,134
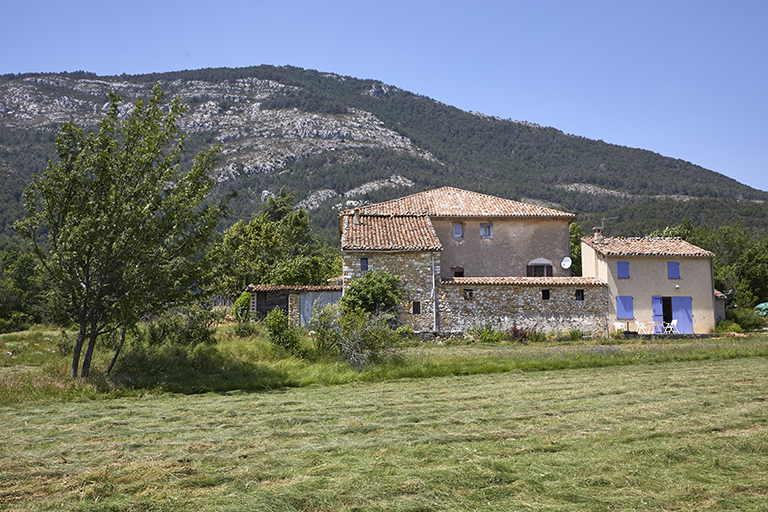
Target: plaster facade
646,279
515,243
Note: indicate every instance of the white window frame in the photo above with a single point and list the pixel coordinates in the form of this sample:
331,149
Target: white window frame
458,230
486,230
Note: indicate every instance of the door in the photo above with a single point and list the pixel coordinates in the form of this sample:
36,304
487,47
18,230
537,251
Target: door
658,313
682,311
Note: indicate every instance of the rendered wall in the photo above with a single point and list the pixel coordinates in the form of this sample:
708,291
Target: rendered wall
648,278
515,243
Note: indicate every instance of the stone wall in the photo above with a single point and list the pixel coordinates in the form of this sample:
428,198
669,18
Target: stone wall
416,271
462,306
294,309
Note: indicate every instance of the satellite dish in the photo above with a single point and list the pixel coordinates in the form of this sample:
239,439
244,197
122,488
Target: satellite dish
566,263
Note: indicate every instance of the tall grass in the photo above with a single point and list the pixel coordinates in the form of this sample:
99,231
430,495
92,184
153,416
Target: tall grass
36,368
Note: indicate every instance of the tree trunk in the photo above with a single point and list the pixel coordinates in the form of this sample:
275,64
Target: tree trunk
117,352
78,348
89,352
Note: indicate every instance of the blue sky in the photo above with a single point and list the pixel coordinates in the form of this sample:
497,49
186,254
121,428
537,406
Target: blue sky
686,79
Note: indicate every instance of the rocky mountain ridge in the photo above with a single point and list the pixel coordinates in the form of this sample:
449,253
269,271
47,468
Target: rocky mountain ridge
340,141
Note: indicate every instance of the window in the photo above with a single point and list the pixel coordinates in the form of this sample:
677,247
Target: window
579,295
624,308
673,270
457,271
486,230
544,294
468,294
458,230
622,269
539,270
416,307
364,264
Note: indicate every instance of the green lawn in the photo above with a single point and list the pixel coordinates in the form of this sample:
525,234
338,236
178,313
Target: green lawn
688,435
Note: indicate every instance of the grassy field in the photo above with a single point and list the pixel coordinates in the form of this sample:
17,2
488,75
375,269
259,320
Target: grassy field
649,429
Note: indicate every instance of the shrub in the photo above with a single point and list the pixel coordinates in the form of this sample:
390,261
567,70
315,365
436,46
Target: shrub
728,326
486,334
521,334
357,336
576,334
189,326
243,307
280,332
746,318
377,290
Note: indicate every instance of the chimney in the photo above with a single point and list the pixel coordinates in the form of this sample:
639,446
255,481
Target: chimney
357,217
598,233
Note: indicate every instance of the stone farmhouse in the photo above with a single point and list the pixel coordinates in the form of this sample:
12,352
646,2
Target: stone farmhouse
467,259
655,283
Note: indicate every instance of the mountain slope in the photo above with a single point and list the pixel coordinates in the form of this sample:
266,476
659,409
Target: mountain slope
339,141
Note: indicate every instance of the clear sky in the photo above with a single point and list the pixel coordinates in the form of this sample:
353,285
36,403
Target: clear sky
686,79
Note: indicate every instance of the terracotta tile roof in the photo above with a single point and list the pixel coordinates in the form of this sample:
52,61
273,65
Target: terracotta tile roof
389,234
524,281
455,202
646,247
291,288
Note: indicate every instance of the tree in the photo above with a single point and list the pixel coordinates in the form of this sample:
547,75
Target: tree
376,290
575,235
119,227
274,247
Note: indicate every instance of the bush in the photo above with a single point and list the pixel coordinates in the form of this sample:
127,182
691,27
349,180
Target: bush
280,332
521,334
190,326
357,336
243,307
746,318
728,326
377,290
486,334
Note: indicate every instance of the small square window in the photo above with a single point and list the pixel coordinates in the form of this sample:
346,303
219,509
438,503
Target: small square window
622,269
416,307
468,294
544,294
458,230
457,271
486,230
579,295
673,270
364,264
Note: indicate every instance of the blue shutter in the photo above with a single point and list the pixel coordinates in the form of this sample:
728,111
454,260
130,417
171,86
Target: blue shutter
624,308
673,270
682,311
622,269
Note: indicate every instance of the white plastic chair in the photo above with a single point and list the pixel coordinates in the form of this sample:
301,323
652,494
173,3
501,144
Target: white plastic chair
641,327
671,327
618,326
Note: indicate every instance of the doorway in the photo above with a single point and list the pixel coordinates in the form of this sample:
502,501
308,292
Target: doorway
666,309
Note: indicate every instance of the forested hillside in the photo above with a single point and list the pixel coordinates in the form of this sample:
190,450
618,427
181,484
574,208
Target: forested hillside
338,141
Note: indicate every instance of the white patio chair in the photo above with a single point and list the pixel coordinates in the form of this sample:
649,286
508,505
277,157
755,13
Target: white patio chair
618,326
641,327
671,327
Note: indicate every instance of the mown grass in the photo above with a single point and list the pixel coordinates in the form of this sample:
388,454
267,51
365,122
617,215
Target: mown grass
688,435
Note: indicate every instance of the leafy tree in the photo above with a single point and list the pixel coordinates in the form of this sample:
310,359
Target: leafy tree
118,225
376,290
274,247
576,234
